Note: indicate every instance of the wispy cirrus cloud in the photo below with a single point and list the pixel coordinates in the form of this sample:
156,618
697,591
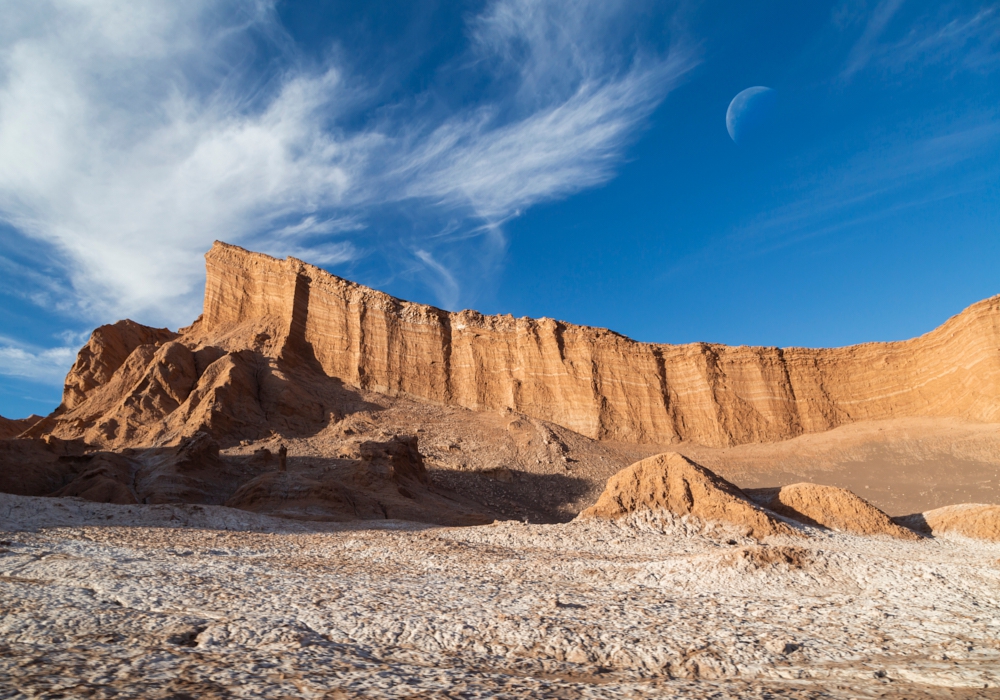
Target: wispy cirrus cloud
864,191
969,39
135,133
867,44
497,170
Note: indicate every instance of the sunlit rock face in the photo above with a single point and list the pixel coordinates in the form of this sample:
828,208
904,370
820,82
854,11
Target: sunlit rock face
595,381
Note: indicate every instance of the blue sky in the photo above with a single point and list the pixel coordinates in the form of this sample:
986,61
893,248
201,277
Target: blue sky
560,159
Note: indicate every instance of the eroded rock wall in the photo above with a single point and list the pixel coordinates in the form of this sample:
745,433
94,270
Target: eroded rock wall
597,382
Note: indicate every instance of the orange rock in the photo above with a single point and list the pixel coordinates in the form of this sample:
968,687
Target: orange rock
108,348
592,380
674,483
134,385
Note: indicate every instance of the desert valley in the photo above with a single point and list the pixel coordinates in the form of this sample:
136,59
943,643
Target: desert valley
318,490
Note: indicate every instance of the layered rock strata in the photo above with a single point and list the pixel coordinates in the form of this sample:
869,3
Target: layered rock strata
595,381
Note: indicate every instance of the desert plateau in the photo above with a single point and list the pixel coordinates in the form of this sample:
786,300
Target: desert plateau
318,490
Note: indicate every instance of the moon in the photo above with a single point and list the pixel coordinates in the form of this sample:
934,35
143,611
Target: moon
749,110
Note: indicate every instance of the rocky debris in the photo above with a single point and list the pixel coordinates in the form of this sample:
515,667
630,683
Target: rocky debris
979,521
191,472
12,427
767,557
55,467
34,468
104,478
401,455
672,482
831,508
263,456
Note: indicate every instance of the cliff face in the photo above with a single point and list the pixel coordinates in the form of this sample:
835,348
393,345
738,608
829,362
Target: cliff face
594,381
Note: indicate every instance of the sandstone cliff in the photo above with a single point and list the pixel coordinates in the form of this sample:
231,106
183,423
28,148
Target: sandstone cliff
592,380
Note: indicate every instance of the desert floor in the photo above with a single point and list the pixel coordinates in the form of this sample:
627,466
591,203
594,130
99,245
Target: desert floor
204,601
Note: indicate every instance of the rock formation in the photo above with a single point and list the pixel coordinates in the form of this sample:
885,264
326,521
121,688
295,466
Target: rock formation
673,483
288,353
13,427
597,382
830,507
136,385
369,480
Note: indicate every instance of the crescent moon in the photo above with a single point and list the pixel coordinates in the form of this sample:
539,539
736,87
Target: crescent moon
748,110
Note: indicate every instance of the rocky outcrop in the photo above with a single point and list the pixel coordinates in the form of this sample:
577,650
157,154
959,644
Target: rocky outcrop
12,427
191,472
831,508
673,483
267,323
165,392
108,348
592,380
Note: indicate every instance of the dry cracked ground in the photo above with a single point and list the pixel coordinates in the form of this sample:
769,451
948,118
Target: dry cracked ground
105,601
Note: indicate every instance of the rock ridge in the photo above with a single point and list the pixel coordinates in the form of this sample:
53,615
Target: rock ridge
592,380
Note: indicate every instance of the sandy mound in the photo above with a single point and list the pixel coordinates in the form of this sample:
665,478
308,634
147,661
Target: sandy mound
979,521
674,483
831,508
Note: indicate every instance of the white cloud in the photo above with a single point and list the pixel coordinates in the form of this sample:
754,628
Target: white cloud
117,156
554,151
444,282
45,366
135,132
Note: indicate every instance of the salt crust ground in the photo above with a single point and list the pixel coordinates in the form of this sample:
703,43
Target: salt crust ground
202,602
